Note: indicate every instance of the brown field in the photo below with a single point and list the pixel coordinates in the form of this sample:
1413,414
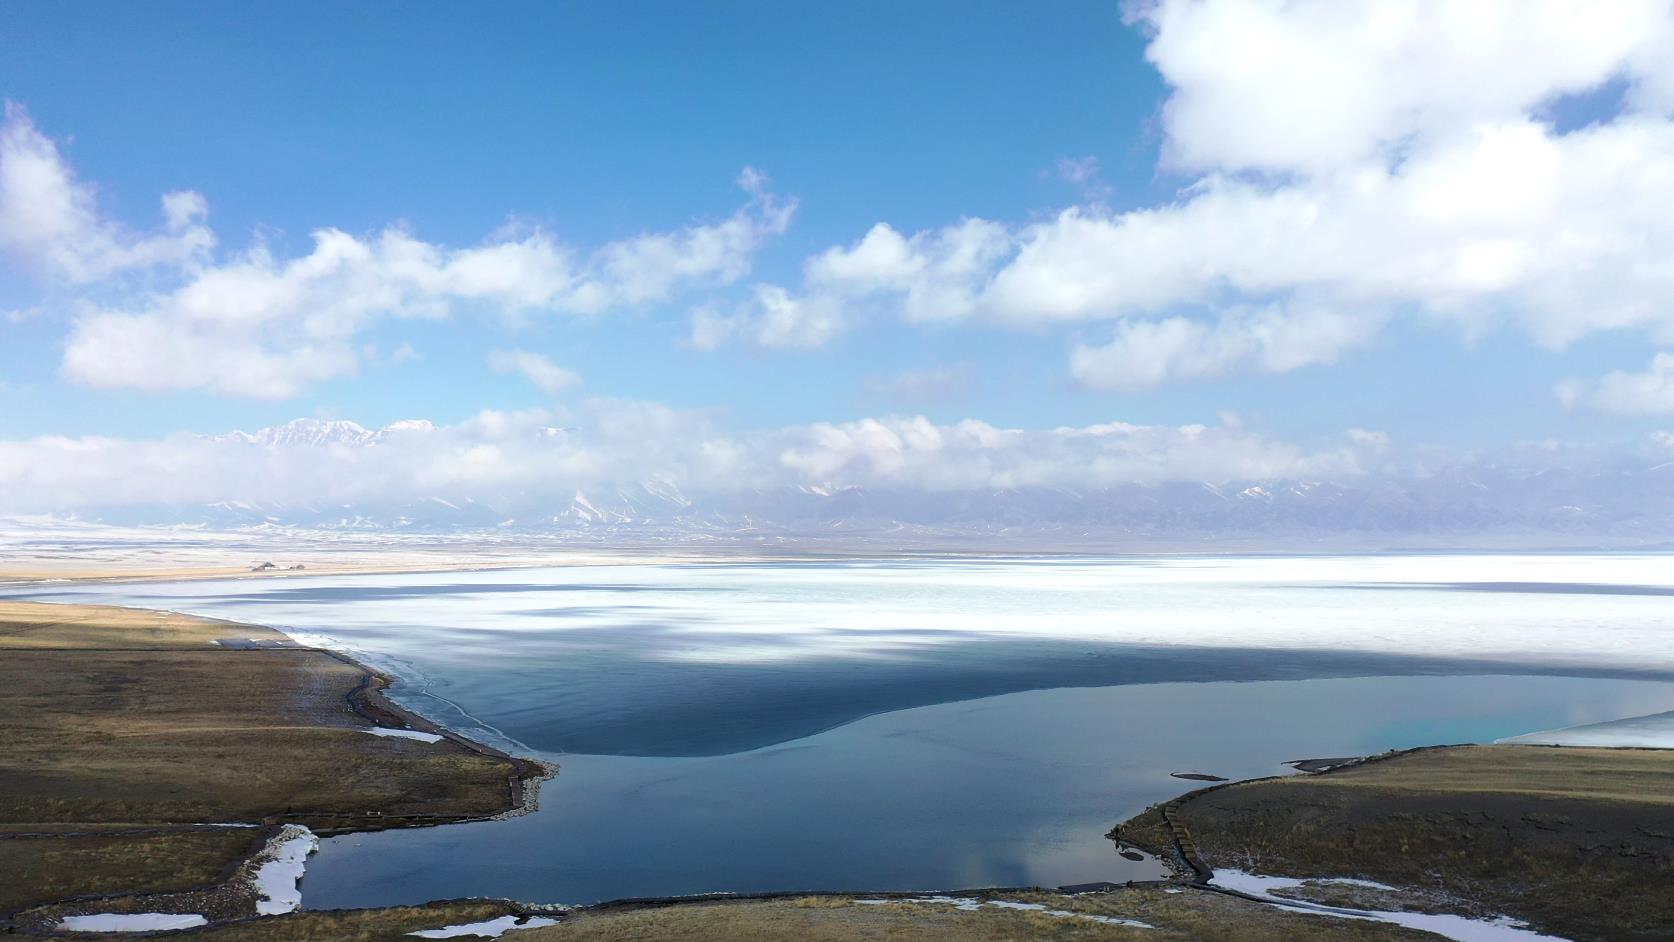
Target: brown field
1189,916
127,724
1577,842
358,925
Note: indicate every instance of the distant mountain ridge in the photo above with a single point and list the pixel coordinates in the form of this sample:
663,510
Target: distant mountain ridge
1625,503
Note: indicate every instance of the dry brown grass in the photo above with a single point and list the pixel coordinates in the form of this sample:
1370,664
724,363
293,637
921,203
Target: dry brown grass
117,717
1579,842
1192,916
58,866
356,925
1641,776
38,626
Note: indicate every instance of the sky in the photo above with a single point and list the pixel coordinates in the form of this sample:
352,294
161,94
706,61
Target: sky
842,241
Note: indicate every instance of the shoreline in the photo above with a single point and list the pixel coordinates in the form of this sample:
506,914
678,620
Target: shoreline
370,701
206,688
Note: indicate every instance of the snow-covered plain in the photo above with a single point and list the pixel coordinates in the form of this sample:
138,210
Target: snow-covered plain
1635,732
1059,691
132,922
490,929
404,734
972,904
1597,609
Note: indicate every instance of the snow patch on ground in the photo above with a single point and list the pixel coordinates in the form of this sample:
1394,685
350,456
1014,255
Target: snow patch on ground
1458,928
1637,732
132,922
283,862
492,929
969,904
404,734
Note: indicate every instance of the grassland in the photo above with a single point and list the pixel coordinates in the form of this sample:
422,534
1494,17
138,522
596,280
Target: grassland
1187,916
125,731
1577,842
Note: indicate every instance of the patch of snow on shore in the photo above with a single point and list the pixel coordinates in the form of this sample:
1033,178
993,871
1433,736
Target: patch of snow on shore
969,904
132,922
492,929
1457,928
404,734
1637,732
281,871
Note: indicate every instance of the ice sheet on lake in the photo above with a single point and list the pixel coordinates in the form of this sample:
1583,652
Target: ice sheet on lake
283,862
132,922
404,734
1458,928
1640,732
491,929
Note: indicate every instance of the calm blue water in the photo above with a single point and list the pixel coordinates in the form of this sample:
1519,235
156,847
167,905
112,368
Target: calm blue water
932,724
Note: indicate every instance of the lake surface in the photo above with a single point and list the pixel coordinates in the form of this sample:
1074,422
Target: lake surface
931,724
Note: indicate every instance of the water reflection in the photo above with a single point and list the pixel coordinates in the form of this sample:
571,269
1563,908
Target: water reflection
931,724
1011,790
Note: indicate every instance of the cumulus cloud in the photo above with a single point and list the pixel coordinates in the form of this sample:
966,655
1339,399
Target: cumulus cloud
771,319
1143,354
1313,85
1647,392
521,459
547,376
257,323
1358,158
49,218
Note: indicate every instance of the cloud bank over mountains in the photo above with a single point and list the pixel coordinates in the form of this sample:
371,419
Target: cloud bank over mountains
630,471
1341,173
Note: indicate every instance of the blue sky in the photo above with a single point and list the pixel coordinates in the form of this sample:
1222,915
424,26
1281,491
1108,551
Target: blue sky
600,122
1470,321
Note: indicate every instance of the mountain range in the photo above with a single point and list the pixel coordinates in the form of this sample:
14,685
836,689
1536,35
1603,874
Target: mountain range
1586,502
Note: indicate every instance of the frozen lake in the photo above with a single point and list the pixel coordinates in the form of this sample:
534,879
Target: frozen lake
924,724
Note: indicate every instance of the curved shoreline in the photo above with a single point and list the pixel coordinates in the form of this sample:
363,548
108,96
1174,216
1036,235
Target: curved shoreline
206,697
370,702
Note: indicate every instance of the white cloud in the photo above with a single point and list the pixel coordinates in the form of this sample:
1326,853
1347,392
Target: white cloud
1316,85
519,459
1361,436
49,218
1649,392
974,455
259,324
1143,354
1510,222
1360,158
771,319
933,275
1083,173
547,376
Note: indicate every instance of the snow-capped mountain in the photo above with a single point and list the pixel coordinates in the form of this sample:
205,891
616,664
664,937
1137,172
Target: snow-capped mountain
1585,501
321,432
